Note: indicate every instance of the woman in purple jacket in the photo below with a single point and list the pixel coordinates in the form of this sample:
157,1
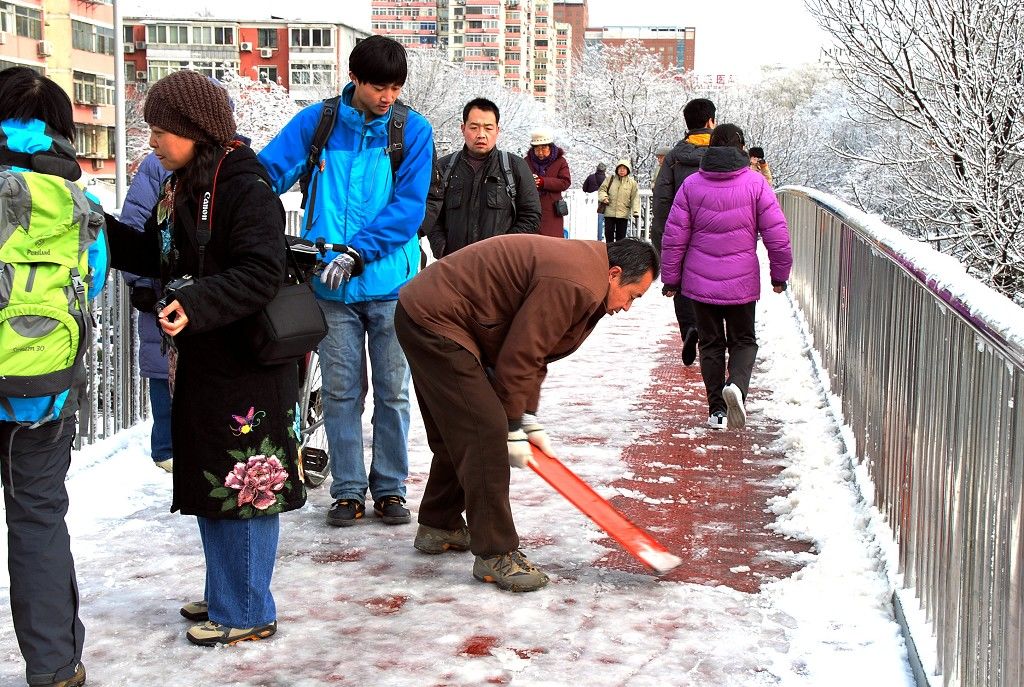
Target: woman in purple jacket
710,254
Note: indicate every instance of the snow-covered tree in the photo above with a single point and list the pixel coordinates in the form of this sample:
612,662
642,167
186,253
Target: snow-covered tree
940,83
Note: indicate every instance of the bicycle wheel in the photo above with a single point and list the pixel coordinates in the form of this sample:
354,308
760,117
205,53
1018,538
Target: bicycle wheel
316,461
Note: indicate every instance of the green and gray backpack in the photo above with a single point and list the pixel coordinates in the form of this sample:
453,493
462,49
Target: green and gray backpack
47,226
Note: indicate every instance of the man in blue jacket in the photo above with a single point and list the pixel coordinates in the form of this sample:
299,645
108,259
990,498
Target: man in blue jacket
372,214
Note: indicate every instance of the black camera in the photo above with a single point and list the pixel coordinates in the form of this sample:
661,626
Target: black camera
170,295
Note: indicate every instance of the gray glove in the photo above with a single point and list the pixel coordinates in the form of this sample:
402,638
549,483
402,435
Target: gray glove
518,449
339,270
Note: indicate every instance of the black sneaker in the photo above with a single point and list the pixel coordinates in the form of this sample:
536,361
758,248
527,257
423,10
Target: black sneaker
392,510
690,346
345,512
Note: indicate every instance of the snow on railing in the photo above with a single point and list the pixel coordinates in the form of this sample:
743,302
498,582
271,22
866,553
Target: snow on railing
928,364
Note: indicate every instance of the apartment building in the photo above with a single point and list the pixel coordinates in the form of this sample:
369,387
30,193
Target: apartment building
72,43
512,41
674,45
576,14
310,59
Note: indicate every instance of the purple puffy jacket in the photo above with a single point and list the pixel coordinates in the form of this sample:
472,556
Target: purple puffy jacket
710,243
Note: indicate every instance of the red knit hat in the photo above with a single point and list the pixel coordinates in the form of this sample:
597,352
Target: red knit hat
188,104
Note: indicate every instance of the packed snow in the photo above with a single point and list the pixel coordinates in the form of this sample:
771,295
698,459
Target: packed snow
360,606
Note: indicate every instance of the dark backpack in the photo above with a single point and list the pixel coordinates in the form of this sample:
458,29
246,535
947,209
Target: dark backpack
324,127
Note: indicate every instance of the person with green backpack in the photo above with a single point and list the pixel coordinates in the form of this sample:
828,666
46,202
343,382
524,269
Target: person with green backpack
53,257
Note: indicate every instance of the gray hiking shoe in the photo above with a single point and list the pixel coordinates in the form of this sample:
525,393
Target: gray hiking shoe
433,540
196,611
510,571
210,633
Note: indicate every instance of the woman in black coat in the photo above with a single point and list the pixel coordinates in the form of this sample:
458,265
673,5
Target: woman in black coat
233,421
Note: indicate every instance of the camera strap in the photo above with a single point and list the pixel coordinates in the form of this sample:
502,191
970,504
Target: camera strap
204,214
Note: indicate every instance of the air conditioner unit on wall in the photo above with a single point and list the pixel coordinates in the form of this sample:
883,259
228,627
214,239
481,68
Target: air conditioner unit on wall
44,48
266,53
141,76
245,47
140,45
97,164
129,48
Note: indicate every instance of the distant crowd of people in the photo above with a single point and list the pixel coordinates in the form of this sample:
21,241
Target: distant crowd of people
200,242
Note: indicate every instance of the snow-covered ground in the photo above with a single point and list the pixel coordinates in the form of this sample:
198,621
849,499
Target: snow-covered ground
359,606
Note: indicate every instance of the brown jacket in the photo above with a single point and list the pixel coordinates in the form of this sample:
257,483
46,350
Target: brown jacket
517,303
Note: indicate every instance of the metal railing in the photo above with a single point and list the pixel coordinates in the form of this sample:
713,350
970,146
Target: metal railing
934,393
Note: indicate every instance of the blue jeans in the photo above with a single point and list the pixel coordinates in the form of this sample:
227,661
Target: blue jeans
239,564
600,227
352,330
160,436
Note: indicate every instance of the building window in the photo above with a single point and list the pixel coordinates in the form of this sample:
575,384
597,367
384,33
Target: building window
28,22
129,72
266,74
312,75
129,34
90,89
266,38
215,68
311,38
213,35
168,34
88,141
158,69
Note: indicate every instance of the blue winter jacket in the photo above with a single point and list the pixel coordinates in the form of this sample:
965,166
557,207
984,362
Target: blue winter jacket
138,206
357,203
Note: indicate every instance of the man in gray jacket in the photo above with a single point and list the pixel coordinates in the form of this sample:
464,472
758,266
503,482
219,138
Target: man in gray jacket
479,191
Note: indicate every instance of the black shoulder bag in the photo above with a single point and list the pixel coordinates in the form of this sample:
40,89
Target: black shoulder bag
292,323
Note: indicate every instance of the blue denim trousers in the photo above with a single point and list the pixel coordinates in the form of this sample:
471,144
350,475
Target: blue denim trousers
160,436
239,564
600,227
353,330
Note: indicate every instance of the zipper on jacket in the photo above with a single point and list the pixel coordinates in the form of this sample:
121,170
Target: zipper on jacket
31,278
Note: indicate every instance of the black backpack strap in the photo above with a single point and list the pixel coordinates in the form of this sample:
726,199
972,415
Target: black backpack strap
324,127
446,175
396,136
510,179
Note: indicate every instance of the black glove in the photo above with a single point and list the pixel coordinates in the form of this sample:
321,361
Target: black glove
143,298
669,288
779,283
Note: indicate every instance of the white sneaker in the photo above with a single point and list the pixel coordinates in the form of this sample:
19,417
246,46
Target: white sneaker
716,420
166,464
734,400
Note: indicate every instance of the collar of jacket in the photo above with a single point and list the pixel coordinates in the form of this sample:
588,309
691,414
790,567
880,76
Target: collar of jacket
699,137
356,119
33,145
724,159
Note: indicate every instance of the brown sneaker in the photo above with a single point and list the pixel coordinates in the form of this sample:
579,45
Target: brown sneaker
433,540
510,571
196,611
210,633
76,680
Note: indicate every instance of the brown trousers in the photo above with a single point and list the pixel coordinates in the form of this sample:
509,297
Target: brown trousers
467,431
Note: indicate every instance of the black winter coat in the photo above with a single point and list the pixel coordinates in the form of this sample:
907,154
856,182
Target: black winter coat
682,161
233,422
477,206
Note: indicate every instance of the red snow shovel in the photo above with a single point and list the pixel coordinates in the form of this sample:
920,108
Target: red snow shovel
643,546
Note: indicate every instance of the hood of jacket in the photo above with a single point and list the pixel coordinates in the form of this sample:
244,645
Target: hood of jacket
724,160
33,145
624,163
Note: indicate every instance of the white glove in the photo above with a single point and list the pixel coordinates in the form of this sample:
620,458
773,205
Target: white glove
337,271
518,449
536,434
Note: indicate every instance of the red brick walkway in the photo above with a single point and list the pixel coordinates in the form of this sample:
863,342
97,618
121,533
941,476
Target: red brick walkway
706,490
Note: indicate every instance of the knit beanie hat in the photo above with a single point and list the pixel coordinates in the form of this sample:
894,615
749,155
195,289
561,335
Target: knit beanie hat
188,104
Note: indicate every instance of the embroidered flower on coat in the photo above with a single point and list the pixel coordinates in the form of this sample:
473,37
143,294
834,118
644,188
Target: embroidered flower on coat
257,481
166,202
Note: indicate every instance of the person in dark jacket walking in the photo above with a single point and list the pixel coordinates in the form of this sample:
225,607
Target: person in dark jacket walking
551,176
710,253
680,162
591,185
144,294
479,191
479,329
36,133
233,420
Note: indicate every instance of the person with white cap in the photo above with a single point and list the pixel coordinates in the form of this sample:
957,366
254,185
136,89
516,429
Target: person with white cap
551,174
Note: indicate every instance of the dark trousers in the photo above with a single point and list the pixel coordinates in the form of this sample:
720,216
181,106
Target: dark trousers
44,591
724,328
684,313
615,228
467,431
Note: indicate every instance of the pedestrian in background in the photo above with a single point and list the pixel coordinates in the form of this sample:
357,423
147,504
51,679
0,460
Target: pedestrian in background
759,164
551,176
621,194
591,185
710,254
